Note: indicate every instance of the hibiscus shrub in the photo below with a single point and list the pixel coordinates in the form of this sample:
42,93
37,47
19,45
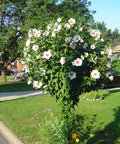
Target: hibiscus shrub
65,59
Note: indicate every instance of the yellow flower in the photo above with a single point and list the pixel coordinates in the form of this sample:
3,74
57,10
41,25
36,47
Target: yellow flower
74,135
91,135
77,140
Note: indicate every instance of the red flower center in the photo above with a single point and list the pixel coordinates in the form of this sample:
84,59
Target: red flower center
95,74
71,74
77,62
38,84
47,55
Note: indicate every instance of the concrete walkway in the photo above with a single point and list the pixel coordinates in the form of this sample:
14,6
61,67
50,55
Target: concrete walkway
7,136
16,95
3,140
111,89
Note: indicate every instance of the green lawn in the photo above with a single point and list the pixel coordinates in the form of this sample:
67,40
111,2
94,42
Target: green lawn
17,113
8,77
15,86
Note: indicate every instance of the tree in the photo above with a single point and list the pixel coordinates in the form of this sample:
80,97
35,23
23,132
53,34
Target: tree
66,61
116,34
12,17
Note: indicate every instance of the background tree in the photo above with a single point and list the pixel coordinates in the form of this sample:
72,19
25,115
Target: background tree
40,12
15,18
116,34
12,17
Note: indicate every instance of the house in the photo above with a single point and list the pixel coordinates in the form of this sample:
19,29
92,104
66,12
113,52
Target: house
116,49
17,65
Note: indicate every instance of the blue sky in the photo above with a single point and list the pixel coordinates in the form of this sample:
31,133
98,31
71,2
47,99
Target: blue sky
107,11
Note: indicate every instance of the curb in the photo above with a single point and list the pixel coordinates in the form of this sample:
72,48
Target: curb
9,135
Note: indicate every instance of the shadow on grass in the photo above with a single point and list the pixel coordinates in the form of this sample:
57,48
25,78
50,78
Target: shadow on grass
15,86
110,92
111,133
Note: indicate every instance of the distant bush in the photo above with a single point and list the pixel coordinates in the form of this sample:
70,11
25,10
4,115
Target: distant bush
94,95
116,64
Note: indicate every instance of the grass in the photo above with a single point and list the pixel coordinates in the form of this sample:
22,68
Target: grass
16,113
15,86
8,77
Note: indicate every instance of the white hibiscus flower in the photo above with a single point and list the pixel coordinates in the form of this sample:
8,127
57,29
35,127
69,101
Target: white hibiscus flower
82,57
79,25
38,56
29,82
59,20
57,27
93,32
94,60
102,40
71,21
68,39
27,59
28,43
62,60
109,52
76,38
36,32
85,45
111,77
67,25
81,40
86,54
47,54
49,26
80,29
35,47
26,68
72,75
37,84
95,74
102,52
92,46
30,34
53,34
42,72
46,33
97,37
73,45
77,62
